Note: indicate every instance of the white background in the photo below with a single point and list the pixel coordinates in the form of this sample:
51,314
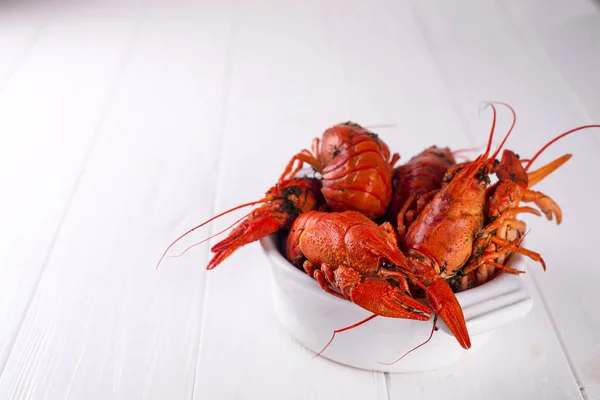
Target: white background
122,124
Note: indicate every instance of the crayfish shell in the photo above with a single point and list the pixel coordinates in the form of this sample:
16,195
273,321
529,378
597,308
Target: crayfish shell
357,173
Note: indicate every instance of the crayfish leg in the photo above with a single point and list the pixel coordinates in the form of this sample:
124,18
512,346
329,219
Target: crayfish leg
425,199
506,268
322,280
304,156
400,220
515,246
309,268
545,203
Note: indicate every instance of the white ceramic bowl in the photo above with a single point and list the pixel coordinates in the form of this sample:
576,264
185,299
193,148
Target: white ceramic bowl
311,315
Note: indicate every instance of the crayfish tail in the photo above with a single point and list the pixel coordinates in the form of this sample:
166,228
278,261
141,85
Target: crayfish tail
446,306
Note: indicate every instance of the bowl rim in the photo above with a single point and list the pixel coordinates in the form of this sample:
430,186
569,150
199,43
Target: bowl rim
504,298
271,249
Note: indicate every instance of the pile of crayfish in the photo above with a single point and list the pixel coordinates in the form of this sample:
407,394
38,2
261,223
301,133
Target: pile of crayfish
384,236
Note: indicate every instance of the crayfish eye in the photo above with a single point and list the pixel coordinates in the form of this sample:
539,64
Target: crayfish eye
292,191
386,264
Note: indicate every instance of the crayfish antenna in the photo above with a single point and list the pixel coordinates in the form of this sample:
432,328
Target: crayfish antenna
206,222
472,168
343,330
284,202
211,236
465,150
484,160
459,153
416,347
493,128
562,135
512,126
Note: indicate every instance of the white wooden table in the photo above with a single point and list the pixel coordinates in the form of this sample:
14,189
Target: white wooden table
122,124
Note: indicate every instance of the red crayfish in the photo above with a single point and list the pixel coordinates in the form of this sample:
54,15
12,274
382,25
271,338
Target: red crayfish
416,182
448,227
355,166
280,206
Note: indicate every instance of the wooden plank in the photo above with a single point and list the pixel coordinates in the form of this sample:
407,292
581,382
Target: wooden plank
565,36
50,103
103,323
390,78
521,361
286,87
16,41
481,55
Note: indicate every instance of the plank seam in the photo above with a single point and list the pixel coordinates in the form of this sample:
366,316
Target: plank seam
532,42
537,48
226,90
380,378
387,385
22,56
560,339
75,187
443,78
469,134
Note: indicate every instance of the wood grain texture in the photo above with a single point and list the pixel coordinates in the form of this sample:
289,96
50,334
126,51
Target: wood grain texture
521,361
103,323
16,41
48,118
130,122
567,39
570,44
290,65
508,67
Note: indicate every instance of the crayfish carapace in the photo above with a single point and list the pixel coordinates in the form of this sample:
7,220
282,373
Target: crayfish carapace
455,229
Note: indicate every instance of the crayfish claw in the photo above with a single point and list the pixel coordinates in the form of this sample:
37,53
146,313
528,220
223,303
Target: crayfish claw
381,298
445,304
539,174
545,203
260,223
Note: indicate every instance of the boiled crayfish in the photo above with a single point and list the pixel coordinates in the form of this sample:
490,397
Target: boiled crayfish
354,258
415,184
503,232
454,228
280,206
348,252
356,169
